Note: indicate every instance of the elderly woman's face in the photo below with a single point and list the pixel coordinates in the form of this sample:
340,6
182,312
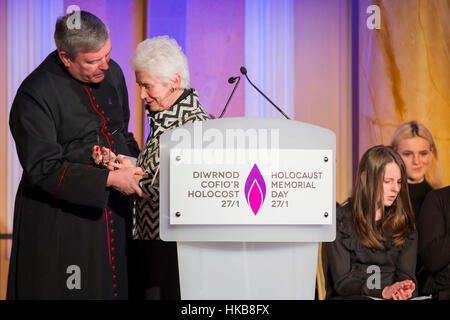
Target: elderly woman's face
156,94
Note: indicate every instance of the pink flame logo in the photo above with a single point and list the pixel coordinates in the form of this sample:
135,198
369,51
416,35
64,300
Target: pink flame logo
255,189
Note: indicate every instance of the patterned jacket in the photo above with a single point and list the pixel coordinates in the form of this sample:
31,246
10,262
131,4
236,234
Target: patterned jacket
146,211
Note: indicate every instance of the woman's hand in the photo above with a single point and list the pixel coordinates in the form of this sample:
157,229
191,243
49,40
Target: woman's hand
401,290
122,166
119,163
125,180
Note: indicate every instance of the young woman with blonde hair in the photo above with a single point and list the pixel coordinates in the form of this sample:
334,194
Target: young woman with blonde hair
415,144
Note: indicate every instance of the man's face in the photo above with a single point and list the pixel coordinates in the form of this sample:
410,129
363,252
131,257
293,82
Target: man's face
88,67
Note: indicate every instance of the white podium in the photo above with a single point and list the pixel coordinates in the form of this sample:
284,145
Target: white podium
247,200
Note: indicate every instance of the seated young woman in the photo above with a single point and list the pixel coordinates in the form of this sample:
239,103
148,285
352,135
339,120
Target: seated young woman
434,242
374,254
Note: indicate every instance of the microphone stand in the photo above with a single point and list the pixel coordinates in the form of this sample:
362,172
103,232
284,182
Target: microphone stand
230,80
244,72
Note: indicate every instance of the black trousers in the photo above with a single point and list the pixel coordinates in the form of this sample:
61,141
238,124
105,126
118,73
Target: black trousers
153,270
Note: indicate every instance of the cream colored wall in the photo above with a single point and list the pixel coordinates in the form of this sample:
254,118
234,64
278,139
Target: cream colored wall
322,85
4,259
140,119
322,77
405,73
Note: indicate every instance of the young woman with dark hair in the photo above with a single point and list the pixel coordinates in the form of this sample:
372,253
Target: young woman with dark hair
375,250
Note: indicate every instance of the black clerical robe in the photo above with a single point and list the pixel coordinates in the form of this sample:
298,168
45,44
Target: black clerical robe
70,230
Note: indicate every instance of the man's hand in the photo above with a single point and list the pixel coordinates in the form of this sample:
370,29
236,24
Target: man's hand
126,181
103,156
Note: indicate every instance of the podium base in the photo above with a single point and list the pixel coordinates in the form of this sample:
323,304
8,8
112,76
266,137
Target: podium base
247,270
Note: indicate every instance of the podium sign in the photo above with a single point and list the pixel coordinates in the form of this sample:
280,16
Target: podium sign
250,186
247,200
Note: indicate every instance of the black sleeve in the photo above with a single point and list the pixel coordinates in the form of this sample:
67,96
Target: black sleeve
34,130
345,283
339,265
434,239
406,262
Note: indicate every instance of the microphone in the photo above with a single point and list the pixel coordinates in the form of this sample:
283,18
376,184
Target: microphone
244,72
233,79
230,81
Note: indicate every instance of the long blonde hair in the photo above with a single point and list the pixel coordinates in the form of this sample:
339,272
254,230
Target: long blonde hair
413,129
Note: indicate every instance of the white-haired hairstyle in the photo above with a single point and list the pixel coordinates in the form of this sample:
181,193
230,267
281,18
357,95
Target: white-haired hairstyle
161,57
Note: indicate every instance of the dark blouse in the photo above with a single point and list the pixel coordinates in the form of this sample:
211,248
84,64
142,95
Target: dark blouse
350,263
434,231
417,193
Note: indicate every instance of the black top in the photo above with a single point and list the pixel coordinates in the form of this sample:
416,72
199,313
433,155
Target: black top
434,232
417,193
64,213
350,263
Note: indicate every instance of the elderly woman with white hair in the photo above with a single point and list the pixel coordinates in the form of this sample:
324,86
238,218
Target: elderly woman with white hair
162,74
